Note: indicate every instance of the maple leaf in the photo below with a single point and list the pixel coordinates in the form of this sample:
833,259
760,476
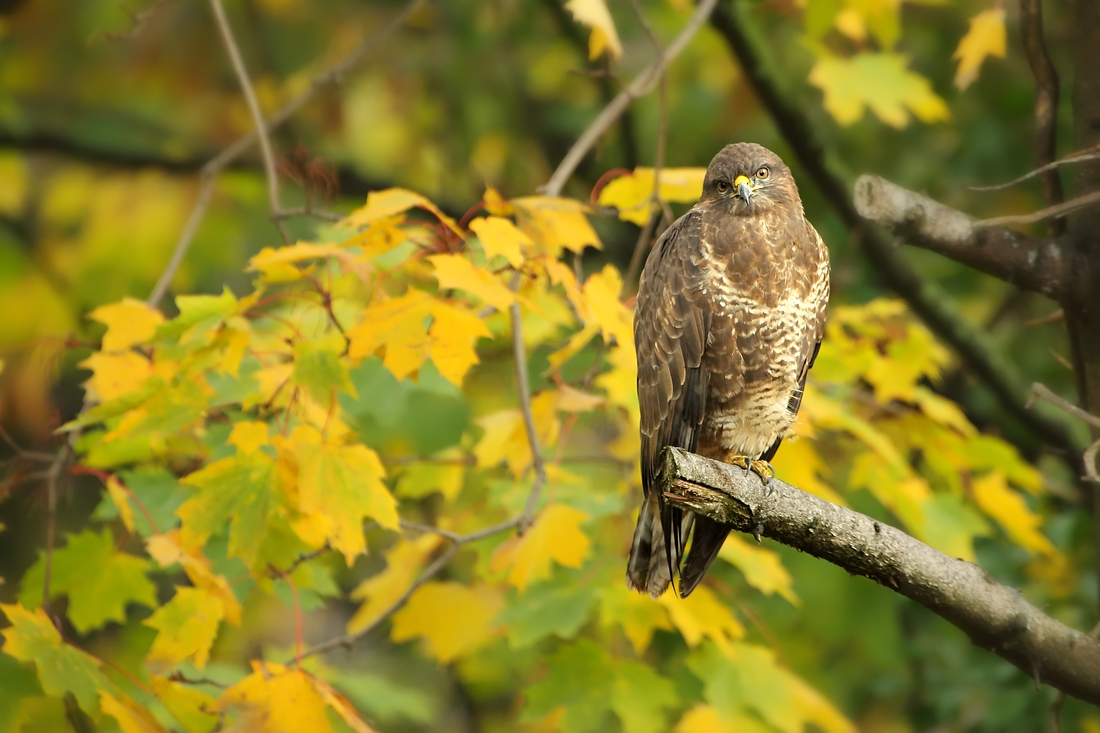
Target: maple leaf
631,194
380,591
556,536
467,624
560,607
397,324
455,271
453,335
555,223
319,370
274,699
167,551
761,567
881,81
500,237
392,201
128,322
992,494
239,491
638,616
186,626
61,667
986,37
341,485
702,615
595,15
275,262
99,580
118,494
586,682
601,293
131,717
192,708
115,375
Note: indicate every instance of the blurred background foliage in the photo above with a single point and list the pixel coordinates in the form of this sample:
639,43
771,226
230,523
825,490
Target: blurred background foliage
106,119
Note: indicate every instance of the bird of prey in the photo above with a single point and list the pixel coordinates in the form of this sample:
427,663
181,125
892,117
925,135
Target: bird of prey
730,316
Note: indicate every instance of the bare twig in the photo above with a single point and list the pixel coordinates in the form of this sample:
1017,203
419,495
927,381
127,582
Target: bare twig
215,165
519,353
641,85
1046,103
29,455
249,92
307,211
1092,453
202,203
1057,210
1081,156
1056,317
995,616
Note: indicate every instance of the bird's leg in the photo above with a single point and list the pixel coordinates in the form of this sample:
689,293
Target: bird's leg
763,469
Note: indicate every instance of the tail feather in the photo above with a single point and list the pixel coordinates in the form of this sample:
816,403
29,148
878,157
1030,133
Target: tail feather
706,541
648,569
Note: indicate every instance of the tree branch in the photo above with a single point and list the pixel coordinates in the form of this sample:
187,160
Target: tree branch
927,300
270,171
1032,264
1046,103
641,85
994,616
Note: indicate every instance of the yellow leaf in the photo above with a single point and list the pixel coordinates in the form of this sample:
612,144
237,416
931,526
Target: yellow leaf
595,15
248,436
466,625
271,259
638,615
128,322
504,439
167,551
423,479
573,347
393,201
996,499
455,271
501,237
813,707
453,337
341,706
382,590
702,615
630,194
943,411
799,464
131,717
114,375
556,223
186,627
378,238
705,719
986,37
601,293
342,484
397,324
761,567
274,699
556,536
192,708
573,400
496,204
881,81
118,494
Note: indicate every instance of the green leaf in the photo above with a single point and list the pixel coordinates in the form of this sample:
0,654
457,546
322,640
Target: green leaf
951,526
159,494
559,607
17,681
239,490
186,626
880,81
751,681
61,667
199,316
384,699
99,580
588,683
319,371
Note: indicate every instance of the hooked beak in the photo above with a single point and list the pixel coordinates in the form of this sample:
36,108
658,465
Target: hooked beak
741,183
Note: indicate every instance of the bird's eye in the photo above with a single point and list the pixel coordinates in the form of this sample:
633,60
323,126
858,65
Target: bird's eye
722,186
762,173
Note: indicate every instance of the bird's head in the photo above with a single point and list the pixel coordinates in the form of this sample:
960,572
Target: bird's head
748,179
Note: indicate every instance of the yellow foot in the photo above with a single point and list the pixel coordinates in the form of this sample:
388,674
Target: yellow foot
763,469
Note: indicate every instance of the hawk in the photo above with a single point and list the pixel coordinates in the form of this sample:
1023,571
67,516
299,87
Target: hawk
730,316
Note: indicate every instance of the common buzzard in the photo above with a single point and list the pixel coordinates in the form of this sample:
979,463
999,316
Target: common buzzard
730,315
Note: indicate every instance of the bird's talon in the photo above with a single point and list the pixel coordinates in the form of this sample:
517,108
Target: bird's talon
739,461
764,470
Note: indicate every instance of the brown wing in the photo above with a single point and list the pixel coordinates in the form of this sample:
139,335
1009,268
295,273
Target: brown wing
670,334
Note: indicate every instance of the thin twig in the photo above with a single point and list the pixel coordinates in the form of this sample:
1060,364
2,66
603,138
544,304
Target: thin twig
53,477
1042,392
216,164
202,203
1055,317
1057,210
1046,103
249,92
520,359
307,211
1081,156
29,455
642,84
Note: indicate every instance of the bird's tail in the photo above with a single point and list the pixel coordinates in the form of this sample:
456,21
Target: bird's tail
648,570
706,540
